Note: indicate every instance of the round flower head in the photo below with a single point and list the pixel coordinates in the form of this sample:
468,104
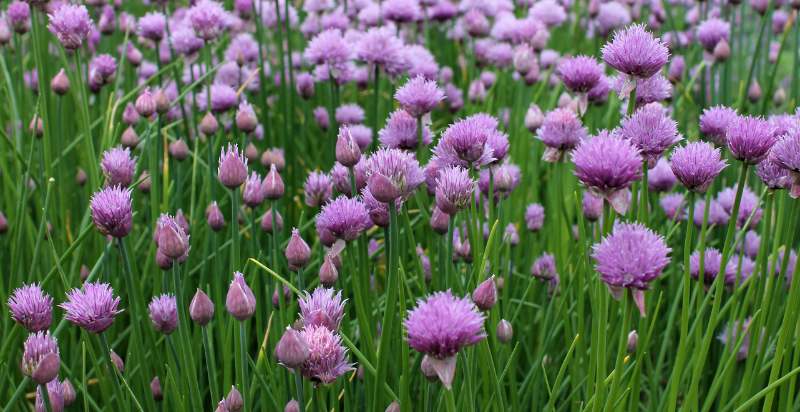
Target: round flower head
748,206
18,15
660,178
378,211
322,307
580,73
232,170
419,96
454,189
31,307
400,132
712,262
118,166
750,138
696,165
635,52
343,218
392,174
506,178
651,130
655,88
327,358
111,211
379,46
152,26
632,256
714,123
71,24
341,177
534,217
673,206
440,326
464,142
751,244
185,41
318,189
207,19
712,31
328,48
164,313
544,267
611,16
717,215
92,307
349,114
608,165
561,131
549,12
56,391
786,154
401,11
40,358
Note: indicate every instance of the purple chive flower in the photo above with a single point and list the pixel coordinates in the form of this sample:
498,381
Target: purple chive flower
18,14
544,267
40,358
111,211
207,19
731,334
92,307
661,178
223,98
653,89
232,169
71,24
751,244
696,165
506,178
401,11
454,189
485,295
118,166
712,31
580,73
592,206
297,251
347,114
171,239
561,131
673,206
243,48
400,132
392,174
152,26
611,16
717,215
31,307
786,154
380,47
185,41
464,142
534,217
608,166
747,207
348,151
419,96
323,307
651,130
104,66
328,48
253,193
164,313
201,308
362,135
632,256
341,177
343,218
291,350
378,211
318,189
712,262
440,326
635,52
240,300
714,123
750,138
55,395
327,358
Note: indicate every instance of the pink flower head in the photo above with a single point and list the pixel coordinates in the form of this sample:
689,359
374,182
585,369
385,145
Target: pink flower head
322,307
327,358
92,307
635,52
696,165
419,96
608,165
31,307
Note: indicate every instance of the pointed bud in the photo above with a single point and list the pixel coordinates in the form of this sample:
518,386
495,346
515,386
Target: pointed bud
292,349
633,340
163,261
145,104
209,125
534,118
36,126
754,91
722,51
246,118
214,217
155,389
292,406
47,368
179,150
69,392
162,101
393,407
234,401
297,251
328,274
504,331
130,116
251,152
347,151
382,188
201,309
485,295
129,138
273,184
60,83
145,184
118,362
266,221
240,301
80,177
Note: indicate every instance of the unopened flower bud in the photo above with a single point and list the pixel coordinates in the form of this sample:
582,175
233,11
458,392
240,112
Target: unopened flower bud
297,251
633,340
240,301
273,184
234,401
504,331
179,150
348,153
145,104
201,309
485,295
328,274
291,350
155,389
60,83
129,138
209,124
